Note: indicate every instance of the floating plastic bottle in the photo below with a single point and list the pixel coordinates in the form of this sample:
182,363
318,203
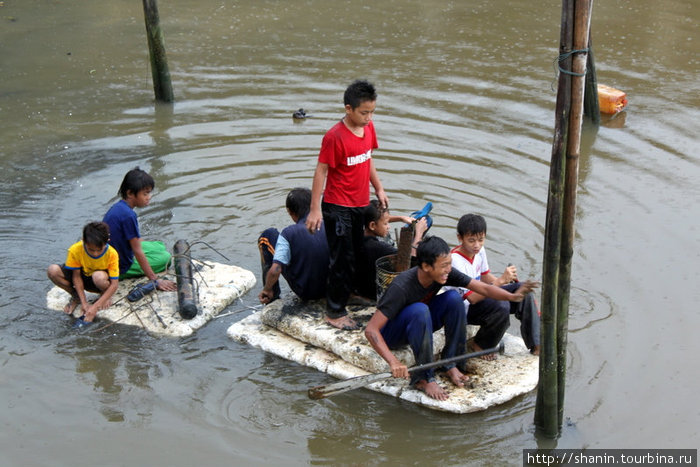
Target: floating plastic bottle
611,100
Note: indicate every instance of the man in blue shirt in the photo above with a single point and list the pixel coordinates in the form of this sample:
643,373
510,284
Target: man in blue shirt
300,257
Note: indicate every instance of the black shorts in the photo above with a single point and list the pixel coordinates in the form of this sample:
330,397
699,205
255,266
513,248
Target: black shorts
88,283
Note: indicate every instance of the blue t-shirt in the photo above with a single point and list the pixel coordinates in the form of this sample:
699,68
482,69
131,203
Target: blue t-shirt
304,259
123,226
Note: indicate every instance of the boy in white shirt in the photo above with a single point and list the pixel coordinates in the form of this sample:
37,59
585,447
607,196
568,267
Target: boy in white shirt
493,316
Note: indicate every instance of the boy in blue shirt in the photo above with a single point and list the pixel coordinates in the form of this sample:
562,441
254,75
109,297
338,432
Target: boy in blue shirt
135,191
296,254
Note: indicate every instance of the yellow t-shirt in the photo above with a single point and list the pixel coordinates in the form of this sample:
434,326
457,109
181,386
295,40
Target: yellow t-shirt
79,258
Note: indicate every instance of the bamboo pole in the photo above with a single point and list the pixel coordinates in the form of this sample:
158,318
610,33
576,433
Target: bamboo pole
561,209
582,26
162,85
546,409
591,106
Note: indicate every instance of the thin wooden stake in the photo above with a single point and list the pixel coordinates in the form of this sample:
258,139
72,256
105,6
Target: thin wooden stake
591,106
162,85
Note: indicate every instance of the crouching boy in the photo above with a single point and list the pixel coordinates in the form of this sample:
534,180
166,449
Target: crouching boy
92,265
411,310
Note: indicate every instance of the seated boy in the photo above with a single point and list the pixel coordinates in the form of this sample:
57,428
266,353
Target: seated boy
151,257
298,255
91,265
493,316
411,309
376,220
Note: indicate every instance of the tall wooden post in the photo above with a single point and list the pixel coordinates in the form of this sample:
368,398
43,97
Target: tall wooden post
561,208
156,50
582,26
546,407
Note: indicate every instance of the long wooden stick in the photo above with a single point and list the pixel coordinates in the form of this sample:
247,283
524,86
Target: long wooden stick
582,27
162,86
546,404
320,392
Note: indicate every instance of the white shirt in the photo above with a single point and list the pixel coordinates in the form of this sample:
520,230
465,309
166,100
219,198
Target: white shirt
475,268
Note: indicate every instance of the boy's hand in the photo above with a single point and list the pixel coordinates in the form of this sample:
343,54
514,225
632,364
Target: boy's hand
265,296
382,198
524,289
90,311
166,285
313,221
399,370
421,227
510,274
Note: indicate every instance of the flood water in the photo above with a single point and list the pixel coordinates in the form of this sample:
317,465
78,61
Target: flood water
464,119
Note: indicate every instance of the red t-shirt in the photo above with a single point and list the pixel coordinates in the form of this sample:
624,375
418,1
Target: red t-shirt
348,157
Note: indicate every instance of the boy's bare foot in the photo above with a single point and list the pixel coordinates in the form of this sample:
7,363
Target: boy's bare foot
71,306
474,347
457,377
432,390
344,323
535,350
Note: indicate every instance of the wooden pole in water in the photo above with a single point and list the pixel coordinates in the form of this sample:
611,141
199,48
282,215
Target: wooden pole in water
561,209
582,27
591,106
546,408
162,85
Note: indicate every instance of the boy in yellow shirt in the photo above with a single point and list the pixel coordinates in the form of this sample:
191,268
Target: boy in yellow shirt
92,265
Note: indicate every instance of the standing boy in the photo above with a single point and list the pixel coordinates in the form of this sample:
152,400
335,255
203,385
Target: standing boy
343,173
296,254
92,265
493,316
411,309
135,191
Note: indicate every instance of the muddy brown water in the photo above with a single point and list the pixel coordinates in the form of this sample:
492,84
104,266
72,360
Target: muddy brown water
465,120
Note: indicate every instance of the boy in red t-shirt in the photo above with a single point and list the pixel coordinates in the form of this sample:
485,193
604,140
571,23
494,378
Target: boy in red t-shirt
344,171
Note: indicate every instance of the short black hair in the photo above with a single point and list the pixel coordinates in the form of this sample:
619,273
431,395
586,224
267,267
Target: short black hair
358,92
136,180
299,202
96,233
429,249
471,224
373,212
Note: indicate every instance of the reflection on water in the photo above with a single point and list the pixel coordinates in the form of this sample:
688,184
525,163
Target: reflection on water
464,119
112,367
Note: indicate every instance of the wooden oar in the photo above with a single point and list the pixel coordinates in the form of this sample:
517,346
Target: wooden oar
320,392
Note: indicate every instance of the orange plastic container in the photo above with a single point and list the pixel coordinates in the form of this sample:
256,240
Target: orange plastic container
611,100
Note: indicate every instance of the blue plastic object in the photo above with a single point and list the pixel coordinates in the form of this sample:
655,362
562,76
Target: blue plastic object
81,324
423,212
417,215
141,290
